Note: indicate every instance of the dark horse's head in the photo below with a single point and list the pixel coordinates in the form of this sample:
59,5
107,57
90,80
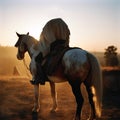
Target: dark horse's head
21,45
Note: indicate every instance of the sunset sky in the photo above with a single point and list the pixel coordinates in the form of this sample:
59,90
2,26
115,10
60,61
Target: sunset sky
94,24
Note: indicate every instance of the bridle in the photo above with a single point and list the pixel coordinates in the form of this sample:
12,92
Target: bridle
22,48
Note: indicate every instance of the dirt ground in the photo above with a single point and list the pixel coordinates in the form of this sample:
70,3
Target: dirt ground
16,102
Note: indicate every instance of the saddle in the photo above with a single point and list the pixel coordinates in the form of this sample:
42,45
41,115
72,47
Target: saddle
54,58
51,62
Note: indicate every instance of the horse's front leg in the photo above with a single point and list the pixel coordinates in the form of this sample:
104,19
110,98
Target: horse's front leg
36,107
54,96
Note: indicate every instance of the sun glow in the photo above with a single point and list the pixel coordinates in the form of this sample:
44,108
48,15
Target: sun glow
94,28
35,32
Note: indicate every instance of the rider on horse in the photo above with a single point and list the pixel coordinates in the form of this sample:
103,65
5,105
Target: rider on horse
56,34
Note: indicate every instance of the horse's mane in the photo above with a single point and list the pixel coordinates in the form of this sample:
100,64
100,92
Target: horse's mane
32,41
55,29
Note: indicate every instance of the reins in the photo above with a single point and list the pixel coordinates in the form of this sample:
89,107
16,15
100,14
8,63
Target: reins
25,64
27,68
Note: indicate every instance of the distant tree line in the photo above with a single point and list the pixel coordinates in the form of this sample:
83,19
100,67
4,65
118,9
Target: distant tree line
111,56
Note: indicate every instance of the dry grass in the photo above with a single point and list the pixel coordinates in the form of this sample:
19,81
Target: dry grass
12,101
16,102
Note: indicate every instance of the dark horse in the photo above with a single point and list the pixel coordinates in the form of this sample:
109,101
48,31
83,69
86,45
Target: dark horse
77,66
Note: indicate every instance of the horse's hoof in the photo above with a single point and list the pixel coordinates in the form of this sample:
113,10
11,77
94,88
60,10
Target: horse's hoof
76,119
53,110
35,110
91,119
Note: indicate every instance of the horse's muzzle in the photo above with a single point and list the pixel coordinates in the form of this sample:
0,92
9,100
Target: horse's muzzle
20,57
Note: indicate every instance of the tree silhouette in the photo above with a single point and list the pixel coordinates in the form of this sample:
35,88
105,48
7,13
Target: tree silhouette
110,55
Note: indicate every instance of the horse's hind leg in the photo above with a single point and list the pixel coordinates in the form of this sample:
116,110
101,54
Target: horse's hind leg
54,96
79,98
92,104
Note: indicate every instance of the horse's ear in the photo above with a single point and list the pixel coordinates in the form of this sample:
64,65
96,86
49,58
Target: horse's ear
18,34
27,33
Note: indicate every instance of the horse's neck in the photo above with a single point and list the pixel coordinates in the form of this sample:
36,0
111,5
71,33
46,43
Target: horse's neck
31,46
35,47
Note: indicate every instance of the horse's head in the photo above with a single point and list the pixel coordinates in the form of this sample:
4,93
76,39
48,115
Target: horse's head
21,45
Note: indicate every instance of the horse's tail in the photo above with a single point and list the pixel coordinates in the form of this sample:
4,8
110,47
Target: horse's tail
96,75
